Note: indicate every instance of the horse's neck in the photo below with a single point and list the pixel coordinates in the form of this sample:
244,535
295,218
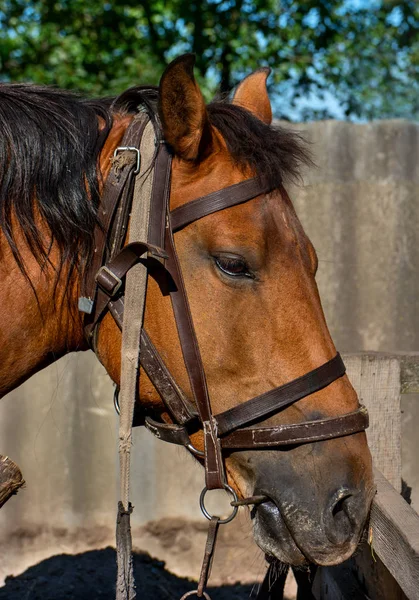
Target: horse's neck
36,327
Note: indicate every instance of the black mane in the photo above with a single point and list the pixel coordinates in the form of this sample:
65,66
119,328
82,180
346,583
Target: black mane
272,152
49,148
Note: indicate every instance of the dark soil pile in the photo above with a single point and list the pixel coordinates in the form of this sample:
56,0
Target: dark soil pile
92,575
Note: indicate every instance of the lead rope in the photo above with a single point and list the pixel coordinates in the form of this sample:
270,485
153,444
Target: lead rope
135,293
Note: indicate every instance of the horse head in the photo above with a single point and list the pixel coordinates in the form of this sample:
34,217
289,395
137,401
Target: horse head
249,274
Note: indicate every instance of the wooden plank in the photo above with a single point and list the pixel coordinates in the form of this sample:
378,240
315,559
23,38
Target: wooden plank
362,577
409,367
395,536
377,581
10,479
379,379
376,379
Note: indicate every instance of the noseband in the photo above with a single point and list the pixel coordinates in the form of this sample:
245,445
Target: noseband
103,292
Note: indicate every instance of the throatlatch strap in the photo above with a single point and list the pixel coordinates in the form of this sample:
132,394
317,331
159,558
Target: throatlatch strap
135,292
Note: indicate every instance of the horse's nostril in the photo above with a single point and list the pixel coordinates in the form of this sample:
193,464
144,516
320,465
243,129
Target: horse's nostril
340,524
340,505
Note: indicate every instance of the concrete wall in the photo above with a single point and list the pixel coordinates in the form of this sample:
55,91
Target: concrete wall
361,209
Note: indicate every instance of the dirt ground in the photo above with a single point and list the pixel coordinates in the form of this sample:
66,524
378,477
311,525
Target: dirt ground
91,575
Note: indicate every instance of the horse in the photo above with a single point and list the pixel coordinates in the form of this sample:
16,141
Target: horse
249,273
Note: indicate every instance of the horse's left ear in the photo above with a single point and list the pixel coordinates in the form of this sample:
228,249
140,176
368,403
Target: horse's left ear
182,110
252,94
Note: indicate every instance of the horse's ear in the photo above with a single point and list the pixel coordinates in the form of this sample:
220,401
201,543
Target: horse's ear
182,110
252,94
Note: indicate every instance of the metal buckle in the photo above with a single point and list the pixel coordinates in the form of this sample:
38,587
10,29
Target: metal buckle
130,149
207,514
85,305
111,274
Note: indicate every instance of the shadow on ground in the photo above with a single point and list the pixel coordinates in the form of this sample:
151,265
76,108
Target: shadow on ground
92,575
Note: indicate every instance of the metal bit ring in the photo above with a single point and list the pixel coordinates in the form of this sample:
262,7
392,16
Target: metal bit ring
208,515
195,593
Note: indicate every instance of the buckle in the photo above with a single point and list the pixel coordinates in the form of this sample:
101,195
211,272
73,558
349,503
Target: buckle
130,149
108,281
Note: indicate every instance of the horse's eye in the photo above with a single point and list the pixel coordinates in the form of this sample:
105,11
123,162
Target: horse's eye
232,266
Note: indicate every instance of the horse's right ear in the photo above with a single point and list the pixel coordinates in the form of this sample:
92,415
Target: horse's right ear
252,95
182,110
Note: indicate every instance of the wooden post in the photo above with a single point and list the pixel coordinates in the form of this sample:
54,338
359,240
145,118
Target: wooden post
390,569
377,381
10,479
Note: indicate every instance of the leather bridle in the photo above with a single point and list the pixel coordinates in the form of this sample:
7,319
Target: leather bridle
103,292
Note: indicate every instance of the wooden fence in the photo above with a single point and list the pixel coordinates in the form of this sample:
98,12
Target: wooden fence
387,565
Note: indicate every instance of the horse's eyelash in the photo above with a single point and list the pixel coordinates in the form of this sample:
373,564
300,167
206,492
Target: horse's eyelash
224,263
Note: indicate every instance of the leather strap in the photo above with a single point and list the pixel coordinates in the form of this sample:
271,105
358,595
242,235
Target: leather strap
298,433
208,555
275,436
125,585
110,277
281,397
160,197
219,200
214,468
168,432
118,188
179,406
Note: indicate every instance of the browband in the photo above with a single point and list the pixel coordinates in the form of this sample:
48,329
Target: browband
219,200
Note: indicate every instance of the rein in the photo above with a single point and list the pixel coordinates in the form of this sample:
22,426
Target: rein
105,289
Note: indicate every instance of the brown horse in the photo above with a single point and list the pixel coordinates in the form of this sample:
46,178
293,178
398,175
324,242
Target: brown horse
249,271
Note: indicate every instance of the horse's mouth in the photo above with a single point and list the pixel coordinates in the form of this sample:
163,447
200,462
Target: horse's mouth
275,537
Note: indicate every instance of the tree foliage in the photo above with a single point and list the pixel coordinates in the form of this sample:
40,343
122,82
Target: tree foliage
356,58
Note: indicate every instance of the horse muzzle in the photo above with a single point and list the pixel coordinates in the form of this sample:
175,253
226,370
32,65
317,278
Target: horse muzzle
293,529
